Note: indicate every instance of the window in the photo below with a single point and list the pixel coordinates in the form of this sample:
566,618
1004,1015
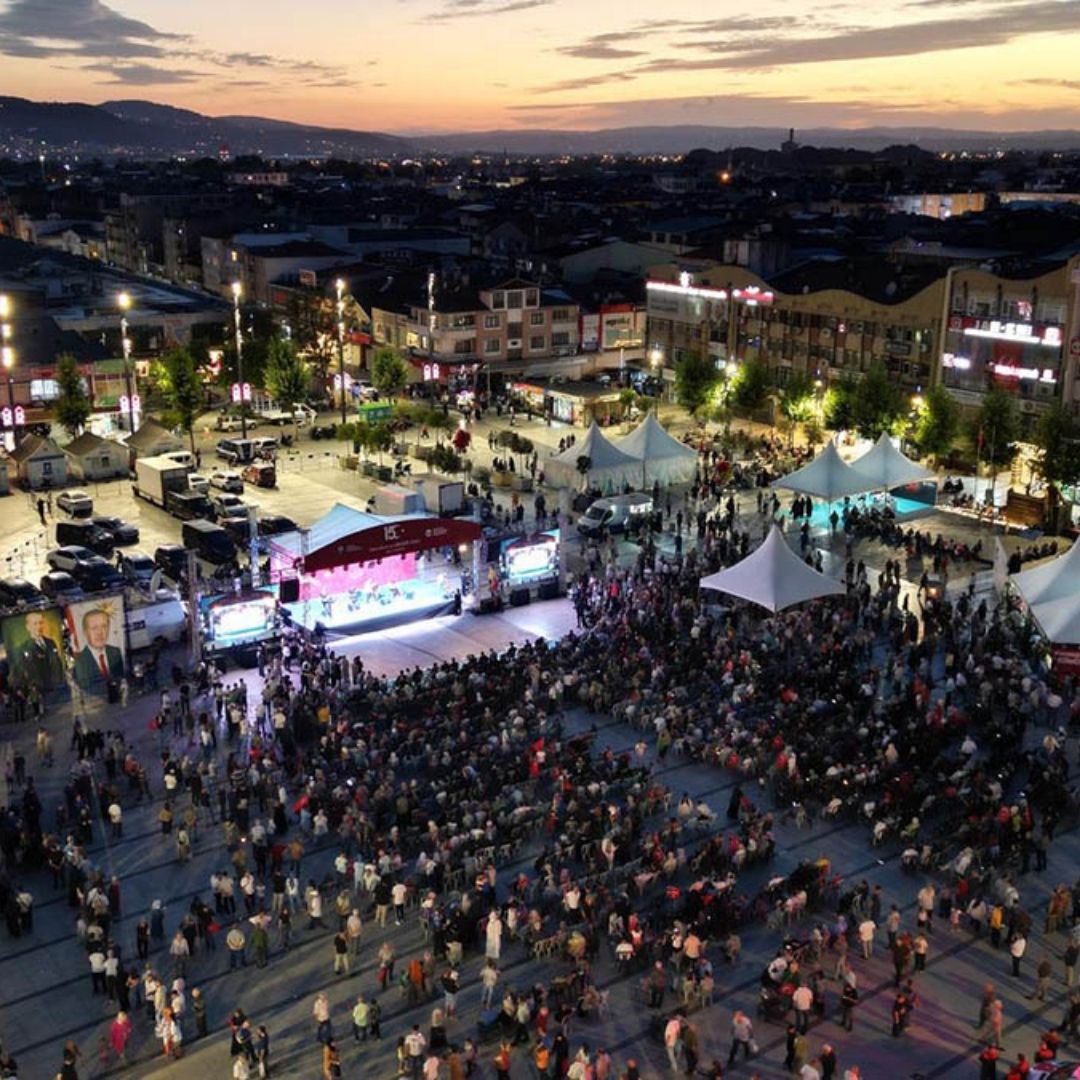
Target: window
536,342
560,338
45,389
498,300
462,322
561,314
532,298
513,299
492,344
491,322
465,346
514,330
536,318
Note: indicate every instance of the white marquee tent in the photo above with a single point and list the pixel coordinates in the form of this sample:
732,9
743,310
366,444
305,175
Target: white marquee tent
663,458
886,468
773,576
610,467
1052,591
828,476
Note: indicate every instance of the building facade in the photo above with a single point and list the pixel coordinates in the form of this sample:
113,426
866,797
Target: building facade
731,314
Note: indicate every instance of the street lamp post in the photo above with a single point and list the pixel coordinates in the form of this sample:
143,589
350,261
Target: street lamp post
237,292
123,301
339,285
656,356
7,353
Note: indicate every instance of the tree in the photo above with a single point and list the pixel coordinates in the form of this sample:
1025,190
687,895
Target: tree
938,423
179,380
288,378
72,403
1057,435
877,404
995,429
750,386
389,372
839,409
695,378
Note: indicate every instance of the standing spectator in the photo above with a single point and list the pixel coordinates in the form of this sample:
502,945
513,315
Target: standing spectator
1017,948
742,1037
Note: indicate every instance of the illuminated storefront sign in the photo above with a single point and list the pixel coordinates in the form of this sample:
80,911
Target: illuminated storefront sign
752,296
1021,333
1014,371
684,288
959,363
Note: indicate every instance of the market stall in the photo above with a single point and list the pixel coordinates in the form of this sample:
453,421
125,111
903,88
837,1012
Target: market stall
663,458
609,468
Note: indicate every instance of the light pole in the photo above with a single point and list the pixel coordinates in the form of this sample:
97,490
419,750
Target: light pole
237,292
7,354
123,302
339,285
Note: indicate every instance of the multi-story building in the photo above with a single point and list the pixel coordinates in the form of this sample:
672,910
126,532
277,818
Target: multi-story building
133,229
1015,329
510,325
802,321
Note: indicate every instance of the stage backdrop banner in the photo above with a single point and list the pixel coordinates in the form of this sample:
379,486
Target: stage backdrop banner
393,538
34,643
96,635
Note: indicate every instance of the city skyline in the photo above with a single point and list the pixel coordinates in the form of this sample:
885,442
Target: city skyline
428,66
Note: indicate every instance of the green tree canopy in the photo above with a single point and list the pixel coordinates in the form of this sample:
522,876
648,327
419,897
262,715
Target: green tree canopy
938,423
73,403
695,378
178,378
288,378
750,386
797,397
877,403
389,372
995,429
839,405
1057,435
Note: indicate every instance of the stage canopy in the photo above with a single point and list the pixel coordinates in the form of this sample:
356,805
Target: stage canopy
773,576
886,468
1052,591
827,477
610,467
663,458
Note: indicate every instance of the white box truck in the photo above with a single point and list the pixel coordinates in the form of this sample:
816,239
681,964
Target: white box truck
393,499
164,482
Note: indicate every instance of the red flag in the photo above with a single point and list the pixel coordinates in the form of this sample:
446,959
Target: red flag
981,439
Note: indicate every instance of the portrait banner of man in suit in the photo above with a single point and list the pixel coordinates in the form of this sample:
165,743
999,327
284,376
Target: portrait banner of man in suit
96,636
34,644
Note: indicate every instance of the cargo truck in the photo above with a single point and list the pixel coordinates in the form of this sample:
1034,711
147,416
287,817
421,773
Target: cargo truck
164,482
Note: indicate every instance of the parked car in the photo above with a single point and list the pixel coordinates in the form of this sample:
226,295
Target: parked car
266,446
121,532
198,483
227,480
231,422
138,568
68,557
17,593
261,474
83,533
276,525
97,575
76,503
271,525
229,506
172,560
60,585
323,431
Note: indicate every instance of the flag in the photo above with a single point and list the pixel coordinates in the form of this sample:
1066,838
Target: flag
981,439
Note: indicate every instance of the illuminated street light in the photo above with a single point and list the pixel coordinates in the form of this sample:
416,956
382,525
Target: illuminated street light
339,286
7,350
237,292
123,302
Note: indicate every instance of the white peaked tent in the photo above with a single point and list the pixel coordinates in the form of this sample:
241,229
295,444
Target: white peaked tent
1052,591
662,456
773,576
610,468
828,476
885,467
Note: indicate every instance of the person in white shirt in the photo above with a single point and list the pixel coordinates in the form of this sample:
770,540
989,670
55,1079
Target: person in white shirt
867,929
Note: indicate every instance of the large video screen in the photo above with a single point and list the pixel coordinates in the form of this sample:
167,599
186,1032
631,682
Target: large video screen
239,620
531,559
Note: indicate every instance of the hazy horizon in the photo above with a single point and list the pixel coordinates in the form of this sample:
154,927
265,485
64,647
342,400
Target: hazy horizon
429,67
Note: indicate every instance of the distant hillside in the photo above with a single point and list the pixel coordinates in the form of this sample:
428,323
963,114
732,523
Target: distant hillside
682,138
144,127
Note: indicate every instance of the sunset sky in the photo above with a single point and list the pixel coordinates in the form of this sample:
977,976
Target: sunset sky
411,66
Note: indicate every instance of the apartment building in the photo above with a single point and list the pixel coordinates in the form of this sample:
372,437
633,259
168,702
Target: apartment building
825,320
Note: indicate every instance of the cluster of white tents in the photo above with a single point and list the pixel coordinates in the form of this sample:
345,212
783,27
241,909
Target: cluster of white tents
1052,593
773,576
646,456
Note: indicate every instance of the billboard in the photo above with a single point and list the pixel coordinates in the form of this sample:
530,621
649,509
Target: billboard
34,644
96,639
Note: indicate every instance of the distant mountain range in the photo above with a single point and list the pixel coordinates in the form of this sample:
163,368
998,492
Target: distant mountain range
144,128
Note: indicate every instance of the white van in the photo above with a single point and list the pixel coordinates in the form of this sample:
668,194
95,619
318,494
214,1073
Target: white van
620,513
149,619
